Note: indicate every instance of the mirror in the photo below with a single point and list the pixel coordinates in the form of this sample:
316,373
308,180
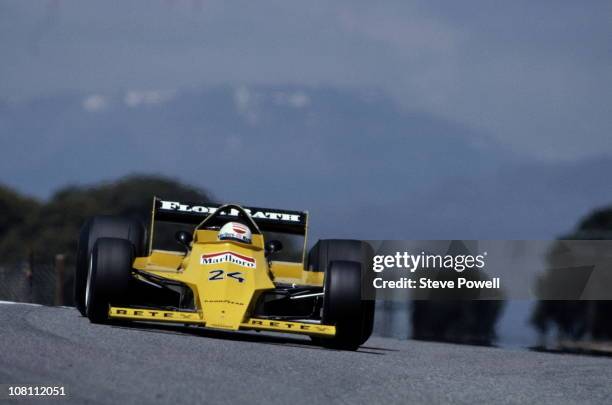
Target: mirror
274,246
184,238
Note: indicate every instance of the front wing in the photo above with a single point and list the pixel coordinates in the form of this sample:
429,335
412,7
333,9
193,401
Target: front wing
142,314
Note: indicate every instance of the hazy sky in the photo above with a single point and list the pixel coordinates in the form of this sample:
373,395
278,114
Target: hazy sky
536,76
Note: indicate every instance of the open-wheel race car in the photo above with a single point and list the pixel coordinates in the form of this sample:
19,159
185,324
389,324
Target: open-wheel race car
226,272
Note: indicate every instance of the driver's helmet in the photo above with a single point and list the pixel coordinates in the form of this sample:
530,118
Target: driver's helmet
235,231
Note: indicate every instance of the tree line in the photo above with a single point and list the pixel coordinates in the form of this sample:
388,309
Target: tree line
565,308
35,230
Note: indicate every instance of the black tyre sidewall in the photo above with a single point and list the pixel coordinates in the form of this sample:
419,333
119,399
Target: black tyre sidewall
342,304
103,227
111,268
80,274
326,251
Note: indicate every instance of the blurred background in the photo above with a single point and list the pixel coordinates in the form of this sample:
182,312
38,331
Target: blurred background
402,120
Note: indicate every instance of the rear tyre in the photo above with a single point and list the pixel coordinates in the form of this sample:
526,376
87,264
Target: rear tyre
326,251
108,276
103,227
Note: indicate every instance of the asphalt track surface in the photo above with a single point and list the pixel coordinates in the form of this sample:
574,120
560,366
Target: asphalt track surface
145,364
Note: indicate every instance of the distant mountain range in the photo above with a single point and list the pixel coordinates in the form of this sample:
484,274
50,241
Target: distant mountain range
362,165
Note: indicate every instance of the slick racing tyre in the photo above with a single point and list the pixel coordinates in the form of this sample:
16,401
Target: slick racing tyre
103,227
328,250
108,276
343,306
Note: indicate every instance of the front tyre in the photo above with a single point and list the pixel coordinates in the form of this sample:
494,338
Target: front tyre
108,276
103,226
343,306
326,251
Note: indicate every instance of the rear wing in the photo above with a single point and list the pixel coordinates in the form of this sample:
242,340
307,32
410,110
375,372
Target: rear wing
267,219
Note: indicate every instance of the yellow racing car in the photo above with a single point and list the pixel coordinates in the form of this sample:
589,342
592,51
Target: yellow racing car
227,272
